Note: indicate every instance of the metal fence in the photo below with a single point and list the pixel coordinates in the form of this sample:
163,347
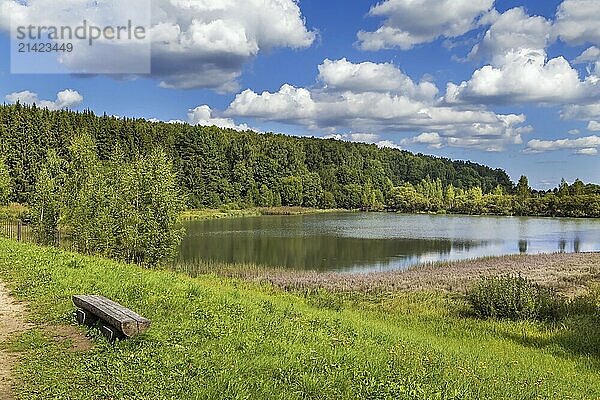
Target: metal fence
16,230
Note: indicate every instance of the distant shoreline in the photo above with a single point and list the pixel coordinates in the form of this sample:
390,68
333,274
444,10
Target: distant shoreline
216,213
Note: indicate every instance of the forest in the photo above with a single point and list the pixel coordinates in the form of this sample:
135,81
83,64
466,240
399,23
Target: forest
216,167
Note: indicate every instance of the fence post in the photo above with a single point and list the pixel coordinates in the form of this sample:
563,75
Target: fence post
19,231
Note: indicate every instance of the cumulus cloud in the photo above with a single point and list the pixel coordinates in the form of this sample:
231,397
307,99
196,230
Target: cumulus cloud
577,21
586,145
584,112
594,126
372,77
590,55
288,104
519,70
512,31
349,101
574,132
522,76
411,22
203,116
195,43
431,139
65,99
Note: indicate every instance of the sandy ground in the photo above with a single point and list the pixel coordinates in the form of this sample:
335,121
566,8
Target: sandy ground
12,322
568,273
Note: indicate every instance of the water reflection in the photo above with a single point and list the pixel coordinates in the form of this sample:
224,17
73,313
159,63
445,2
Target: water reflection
376,242
562,245
523,246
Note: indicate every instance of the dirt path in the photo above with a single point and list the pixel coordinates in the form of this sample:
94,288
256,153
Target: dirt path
12,322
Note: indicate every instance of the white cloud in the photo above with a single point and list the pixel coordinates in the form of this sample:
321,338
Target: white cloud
363,137
586,145
195,43
525,76
372,77
431,139
574,132
587,152
347,102
288,104
65,99
582,111
369,138
590,55
203,116
412,22
594,126
577,21
512,31
388,144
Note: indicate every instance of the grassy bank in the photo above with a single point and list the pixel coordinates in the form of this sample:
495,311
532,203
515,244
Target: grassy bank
215,337
210,213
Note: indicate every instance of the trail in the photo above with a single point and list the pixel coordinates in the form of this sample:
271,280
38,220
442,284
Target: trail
12,322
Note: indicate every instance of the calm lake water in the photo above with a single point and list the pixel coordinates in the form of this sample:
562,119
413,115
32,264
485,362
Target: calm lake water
369,242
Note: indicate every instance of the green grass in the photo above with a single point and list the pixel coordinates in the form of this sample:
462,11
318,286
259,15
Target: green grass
214,338
211,213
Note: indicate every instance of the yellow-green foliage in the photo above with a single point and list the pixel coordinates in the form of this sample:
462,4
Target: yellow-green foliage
217,338
14,211
209,213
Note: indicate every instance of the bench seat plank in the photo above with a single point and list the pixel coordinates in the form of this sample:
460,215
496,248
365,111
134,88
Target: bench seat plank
121,318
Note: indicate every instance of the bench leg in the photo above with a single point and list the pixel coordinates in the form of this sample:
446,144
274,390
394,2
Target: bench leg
85,317
111,334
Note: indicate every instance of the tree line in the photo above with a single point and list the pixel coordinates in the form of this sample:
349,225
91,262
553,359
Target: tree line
575,200
216,167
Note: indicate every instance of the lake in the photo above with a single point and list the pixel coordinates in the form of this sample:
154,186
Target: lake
370,242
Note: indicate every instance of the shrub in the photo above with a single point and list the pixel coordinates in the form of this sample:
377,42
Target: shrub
515,298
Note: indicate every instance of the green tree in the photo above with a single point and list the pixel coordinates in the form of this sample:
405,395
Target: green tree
265,198
312,190
523,190
159,205
563,188
328,201
449,196
405,198
577,188
47,197
291,191
5,183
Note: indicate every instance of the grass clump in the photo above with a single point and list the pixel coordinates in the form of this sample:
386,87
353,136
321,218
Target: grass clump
515,298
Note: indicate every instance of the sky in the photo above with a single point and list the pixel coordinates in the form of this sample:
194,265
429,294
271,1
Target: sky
510,84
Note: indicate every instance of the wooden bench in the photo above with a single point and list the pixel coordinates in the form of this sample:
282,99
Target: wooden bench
115,320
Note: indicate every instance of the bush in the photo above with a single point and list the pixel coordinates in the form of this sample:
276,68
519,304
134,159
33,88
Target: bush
515,298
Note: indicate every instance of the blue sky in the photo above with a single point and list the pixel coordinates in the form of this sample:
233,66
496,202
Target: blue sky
525,74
